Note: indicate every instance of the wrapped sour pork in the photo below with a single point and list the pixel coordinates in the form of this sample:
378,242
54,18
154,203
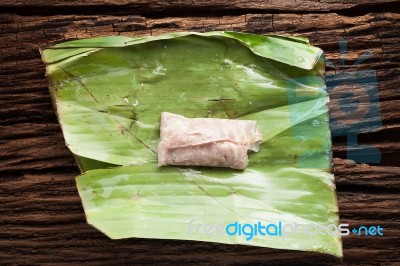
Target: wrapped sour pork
206,141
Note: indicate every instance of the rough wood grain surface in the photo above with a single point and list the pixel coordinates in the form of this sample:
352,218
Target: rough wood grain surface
178,6
41,217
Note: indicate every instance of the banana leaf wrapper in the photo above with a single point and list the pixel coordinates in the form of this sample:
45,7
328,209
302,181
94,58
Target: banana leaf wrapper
109,93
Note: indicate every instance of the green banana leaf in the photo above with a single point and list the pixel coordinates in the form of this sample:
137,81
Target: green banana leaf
109,93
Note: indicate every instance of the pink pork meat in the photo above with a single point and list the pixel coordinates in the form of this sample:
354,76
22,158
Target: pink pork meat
206,141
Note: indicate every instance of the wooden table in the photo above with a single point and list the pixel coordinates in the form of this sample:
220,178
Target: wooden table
41,217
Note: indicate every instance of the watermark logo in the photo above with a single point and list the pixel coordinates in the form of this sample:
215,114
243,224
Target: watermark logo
280,229
354,106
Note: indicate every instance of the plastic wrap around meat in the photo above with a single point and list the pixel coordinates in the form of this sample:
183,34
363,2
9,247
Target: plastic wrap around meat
206,141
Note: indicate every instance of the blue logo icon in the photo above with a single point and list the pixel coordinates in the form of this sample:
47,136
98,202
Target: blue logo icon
354,106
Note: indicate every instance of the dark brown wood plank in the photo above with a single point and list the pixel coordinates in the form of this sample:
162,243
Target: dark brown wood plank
42,218
201,5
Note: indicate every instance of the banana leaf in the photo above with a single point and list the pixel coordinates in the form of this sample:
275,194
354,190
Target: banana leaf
109,93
